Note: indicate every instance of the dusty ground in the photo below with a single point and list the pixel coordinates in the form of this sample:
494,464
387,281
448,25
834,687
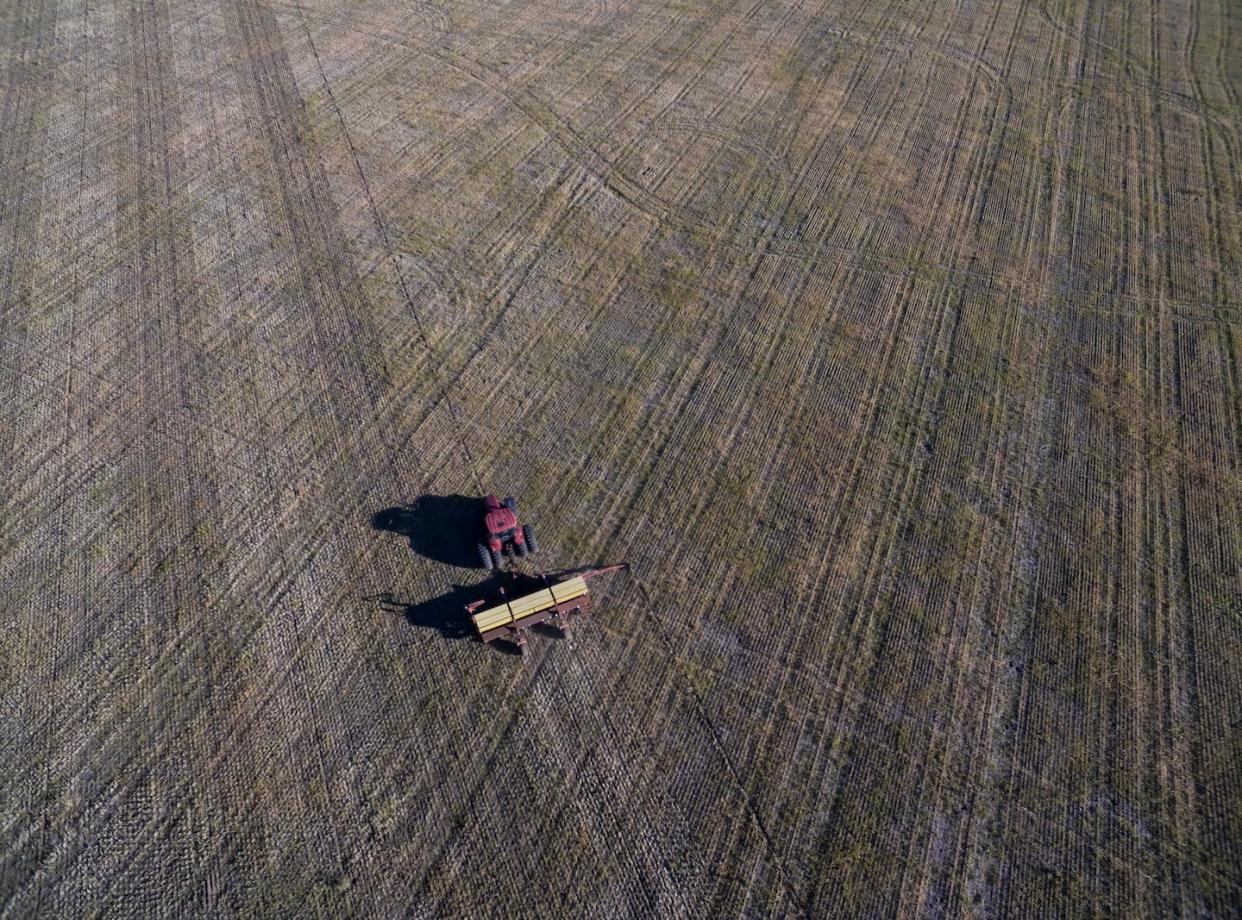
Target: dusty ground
895,343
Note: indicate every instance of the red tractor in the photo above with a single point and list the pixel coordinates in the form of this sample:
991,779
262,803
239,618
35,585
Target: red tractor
503,532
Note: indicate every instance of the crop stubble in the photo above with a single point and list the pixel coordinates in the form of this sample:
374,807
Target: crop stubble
896,346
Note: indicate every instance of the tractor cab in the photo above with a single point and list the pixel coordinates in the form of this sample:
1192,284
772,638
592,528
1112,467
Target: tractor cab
499,519
503,533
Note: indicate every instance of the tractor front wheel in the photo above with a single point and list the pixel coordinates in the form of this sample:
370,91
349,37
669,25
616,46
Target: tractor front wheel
485,556
498,561
520,549
532,545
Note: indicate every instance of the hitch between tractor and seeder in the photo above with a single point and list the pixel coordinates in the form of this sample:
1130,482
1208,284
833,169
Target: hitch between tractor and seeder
555,597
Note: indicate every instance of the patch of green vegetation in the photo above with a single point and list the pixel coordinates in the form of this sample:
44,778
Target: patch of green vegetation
677,284
788,66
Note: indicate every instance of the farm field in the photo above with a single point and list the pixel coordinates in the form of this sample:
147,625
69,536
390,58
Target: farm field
896,345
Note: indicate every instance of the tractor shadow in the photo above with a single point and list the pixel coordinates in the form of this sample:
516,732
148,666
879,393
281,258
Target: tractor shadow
447,614
442,528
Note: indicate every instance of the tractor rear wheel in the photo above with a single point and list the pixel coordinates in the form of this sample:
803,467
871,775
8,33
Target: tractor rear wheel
511,503
485,556
532,545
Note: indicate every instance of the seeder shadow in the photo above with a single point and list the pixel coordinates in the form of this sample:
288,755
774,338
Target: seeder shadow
447,613
442,528
547,630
